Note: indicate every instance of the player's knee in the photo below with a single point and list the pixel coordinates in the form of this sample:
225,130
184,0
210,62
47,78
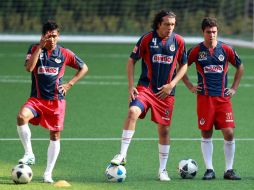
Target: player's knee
22,118
164,133
133,114
54,135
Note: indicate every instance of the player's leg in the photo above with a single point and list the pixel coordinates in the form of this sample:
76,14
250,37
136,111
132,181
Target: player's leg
127,134
25,114
53,152
207,152
229,152
164,146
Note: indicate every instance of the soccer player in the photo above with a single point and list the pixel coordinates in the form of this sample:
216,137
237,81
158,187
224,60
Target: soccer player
164,62
214,108
46,106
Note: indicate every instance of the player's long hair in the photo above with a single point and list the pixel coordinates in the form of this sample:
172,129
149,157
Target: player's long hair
158,18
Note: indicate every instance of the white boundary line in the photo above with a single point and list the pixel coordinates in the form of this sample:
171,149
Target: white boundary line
112,83
112,39
118,139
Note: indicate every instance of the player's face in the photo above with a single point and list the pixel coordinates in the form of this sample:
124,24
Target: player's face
52,38
166,27
210,34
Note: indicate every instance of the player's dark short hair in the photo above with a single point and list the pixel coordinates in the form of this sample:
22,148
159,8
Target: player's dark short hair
158,18
209,22
49,26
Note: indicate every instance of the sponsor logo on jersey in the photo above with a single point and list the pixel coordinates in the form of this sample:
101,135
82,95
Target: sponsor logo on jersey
213,69
202,56
172,47
48,70
164,59
57,60
221,57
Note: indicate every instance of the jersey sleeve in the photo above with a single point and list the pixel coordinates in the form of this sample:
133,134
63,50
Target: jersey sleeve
30,51
136,53
73,60
182,58
192,54
234,59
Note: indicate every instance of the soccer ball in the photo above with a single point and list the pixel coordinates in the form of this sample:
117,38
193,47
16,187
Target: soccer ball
187,168
115,173
21,174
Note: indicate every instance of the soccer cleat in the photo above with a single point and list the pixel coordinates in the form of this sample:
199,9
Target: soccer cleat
47,179
230,174
163,175
209,174
118,160
27,159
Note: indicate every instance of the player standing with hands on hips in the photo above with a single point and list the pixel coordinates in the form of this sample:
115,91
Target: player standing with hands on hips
164,62
46,106
214,106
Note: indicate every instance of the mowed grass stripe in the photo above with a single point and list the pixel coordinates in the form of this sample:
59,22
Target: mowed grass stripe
118,139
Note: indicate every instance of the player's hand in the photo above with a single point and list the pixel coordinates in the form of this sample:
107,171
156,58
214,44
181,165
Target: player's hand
133,92
230,92
64,88
164,91
195,89
44,39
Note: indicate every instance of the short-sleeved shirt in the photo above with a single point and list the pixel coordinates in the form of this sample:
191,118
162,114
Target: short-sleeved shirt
159,59
48,73
212,67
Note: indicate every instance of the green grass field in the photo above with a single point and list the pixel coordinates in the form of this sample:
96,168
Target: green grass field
96,108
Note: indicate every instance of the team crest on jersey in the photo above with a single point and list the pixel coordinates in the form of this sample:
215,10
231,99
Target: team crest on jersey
164,59
48,70
202,121
202,56
213,69
172,47
221,57
57,60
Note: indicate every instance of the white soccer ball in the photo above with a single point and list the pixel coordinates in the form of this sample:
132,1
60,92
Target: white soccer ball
188,168
115,173
21,174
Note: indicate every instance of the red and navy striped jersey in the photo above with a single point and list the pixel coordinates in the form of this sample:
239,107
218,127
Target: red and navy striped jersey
159,59
48,73
212,67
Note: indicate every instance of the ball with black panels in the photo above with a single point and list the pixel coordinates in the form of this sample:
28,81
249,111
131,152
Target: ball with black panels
188,168
21,174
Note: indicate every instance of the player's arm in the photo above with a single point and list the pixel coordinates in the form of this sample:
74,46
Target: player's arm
166,89
237,78
189,84
79,74
130,74
31,62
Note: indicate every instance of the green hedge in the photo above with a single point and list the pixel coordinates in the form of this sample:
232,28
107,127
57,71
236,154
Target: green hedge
117,17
